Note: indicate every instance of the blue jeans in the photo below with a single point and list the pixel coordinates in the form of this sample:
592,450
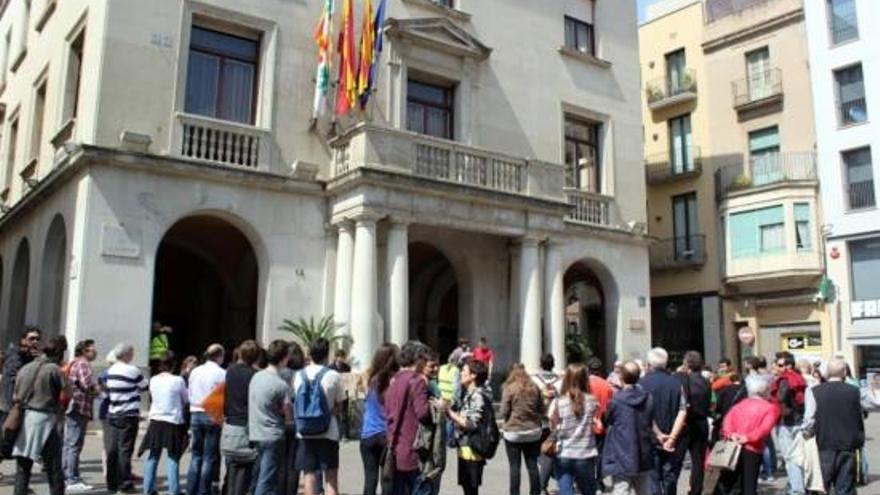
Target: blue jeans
205,450
271,455
580,472
786,436
75,425
150,466
405,482
667,467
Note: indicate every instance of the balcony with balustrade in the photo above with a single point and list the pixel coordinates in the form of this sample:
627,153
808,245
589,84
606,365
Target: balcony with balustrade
221,143
463,170
678,252
674,165
758,92
671,90
764,171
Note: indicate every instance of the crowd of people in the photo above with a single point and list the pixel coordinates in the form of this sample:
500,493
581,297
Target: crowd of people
273,417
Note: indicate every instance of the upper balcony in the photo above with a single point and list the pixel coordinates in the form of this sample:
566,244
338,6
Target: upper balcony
766,170
674,165
678,252
758,91
672,89
222,142
467,167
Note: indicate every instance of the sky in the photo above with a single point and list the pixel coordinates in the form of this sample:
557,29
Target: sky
642,5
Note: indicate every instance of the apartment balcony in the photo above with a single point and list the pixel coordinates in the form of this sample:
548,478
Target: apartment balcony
221,142
758,92
461,170
766,170
678,252
852,112
668,91
674,166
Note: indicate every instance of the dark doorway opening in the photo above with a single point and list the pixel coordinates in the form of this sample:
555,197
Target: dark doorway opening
433,299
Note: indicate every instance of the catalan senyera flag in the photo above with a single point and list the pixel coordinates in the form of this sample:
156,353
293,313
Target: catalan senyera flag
346,91
324,39
370,54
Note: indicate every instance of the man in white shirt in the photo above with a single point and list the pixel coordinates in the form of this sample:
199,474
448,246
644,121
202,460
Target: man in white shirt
204,381
320,452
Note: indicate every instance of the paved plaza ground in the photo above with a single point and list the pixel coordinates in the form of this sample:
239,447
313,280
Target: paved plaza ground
351,473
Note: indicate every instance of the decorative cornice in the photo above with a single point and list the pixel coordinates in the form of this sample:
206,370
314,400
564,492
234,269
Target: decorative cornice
754,30
424,32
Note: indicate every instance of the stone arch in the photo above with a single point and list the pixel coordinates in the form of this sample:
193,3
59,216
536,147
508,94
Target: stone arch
18,291
591,304
52,275
206,285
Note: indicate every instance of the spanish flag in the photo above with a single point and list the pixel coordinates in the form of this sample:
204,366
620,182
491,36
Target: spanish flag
324,39
371,47
346,92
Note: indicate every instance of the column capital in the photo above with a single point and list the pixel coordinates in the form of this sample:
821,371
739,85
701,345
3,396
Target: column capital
367,217
400,221
344,224
529,240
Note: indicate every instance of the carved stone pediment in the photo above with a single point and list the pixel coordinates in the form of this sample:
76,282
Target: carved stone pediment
438,33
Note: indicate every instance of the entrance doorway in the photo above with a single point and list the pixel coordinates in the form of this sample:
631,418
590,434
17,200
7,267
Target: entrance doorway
585,312
433,299
206,285
18,292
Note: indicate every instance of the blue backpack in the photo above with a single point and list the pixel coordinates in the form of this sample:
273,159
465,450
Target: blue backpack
313,416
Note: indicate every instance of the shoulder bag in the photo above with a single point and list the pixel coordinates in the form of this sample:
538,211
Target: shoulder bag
725,455
15,417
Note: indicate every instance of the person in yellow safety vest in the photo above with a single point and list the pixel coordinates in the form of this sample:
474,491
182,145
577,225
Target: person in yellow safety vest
449,381
161,342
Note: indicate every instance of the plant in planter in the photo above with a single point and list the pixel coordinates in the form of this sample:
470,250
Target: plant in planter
687,82
654,92
742,182
306,332
577,347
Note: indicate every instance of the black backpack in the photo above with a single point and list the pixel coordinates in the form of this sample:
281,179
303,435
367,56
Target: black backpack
485,439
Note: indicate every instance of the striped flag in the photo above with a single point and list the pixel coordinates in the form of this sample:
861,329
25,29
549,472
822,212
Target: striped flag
324,39
346,91
368,63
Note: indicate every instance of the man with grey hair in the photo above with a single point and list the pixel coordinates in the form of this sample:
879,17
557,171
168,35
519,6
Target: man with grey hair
669,408
124,385
833,414
204,381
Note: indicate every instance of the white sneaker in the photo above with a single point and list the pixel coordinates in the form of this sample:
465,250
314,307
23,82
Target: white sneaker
79,487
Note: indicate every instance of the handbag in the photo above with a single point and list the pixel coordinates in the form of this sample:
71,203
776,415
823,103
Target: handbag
389,462
15,418
725,455
550,445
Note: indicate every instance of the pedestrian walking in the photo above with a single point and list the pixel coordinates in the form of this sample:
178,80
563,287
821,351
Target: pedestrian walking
83,387
288,474
572,416
833,415
204,381
166,429
603,392
269,410
475,409
789,390
18,355
38,389
699,404
522,410
373,430
669,410
727,397
235,445
318,396
124,384
629,444
406,406
160,343
431,437
550,384
485,354
749,423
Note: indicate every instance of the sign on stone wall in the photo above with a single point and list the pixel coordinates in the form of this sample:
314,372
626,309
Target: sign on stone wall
120,241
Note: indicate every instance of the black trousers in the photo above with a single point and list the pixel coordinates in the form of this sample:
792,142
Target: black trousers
516,452
743,481
697,441
51,455
372,450
6,441
839,470
239,478
123,433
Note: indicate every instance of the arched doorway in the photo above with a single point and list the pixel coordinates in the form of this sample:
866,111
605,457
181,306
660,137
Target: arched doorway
18,291
52,277
585,311
206,285
433,298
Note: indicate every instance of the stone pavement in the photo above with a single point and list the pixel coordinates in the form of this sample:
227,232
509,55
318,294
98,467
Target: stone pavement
351,474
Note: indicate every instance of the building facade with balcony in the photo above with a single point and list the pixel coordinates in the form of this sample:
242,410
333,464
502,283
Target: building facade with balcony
162,164
685,270
845,68
763,151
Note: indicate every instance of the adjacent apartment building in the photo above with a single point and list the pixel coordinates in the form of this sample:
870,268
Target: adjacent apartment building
739,200
845,70
160,163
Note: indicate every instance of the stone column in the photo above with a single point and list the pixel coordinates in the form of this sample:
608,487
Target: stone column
364,292
398,282
530,304
342,285
554,303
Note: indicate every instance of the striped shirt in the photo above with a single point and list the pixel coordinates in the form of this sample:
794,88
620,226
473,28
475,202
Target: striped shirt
576,439
125,383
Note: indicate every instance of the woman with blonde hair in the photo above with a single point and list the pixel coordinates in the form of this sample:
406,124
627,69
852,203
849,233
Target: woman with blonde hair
522,409
571,418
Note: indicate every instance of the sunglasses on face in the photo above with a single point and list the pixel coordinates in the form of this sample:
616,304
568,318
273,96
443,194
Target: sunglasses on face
33,339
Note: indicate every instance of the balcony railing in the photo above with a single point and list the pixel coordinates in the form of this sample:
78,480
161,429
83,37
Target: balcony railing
861,195
758,88
223,142
589,208
678,252
671,89
852,112
766,170
674,165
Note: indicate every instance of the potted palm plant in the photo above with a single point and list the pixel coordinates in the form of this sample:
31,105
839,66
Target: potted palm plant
306,332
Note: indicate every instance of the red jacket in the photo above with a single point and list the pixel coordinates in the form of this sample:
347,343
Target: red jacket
753,418
602,391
